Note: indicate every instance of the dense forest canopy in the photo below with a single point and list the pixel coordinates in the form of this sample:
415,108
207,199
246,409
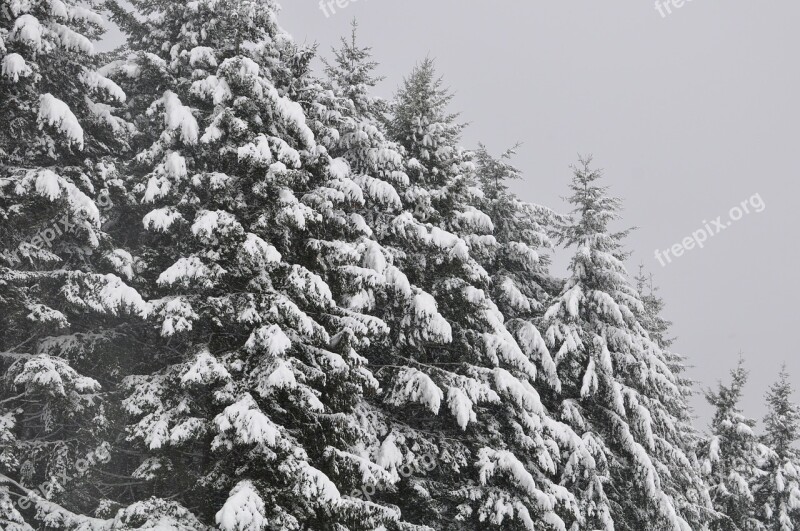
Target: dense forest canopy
239,294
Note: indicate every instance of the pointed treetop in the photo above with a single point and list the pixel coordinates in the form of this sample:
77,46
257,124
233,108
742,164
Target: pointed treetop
643,281
494,172
352,69
595,210
598,261
782,423
656,325
726,398
424,89
421,121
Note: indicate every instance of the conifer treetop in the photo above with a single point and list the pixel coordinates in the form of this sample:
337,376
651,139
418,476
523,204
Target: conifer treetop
594,210
352,73
782,423
422,124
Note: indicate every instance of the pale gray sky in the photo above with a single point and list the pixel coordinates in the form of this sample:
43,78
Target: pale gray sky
689,115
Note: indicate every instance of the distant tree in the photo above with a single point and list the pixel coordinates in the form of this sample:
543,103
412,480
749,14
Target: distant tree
615,382
777,492
351,74
730,458
421,123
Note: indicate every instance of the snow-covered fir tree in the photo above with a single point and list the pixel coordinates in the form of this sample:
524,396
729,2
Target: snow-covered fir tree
352,77
497,450
777,491
380,287
421,122
616,383
420,362
251,373
689,438
658,328
730,458
514,257
64,300
238,295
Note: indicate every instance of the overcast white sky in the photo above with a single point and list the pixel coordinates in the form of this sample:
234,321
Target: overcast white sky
689,115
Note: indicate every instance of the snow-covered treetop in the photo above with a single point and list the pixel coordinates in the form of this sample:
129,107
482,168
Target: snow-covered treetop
422,124
495,172
782,423
352,74
54,102
594,211
174,29
728,413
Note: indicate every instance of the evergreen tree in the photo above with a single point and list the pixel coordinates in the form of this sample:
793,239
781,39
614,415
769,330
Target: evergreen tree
730,458
252,375
239,296
65,306
351,128
614,381
688,439
778,490
380,287
658,328
513,256
497,450
351,75
422,124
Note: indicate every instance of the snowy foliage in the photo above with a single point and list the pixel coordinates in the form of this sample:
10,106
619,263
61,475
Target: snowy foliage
730,458
777,491
617,377
253,297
